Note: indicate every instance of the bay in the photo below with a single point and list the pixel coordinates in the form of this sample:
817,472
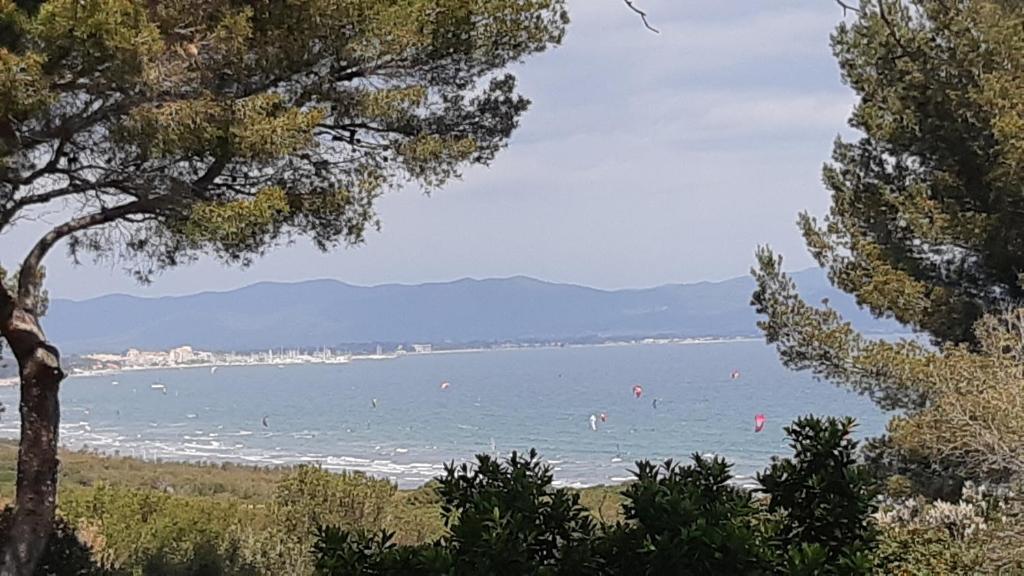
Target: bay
496,401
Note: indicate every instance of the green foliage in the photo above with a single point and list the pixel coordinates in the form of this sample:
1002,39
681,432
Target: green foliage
146,531
924,224
312,496
227,127
339,551
506,518
686,520
982,533
414,516
824,500
960,418
924,227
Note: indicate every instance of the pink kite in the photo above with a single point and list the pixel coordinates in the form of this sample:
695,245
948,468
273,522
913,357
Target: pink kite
638,390
758,422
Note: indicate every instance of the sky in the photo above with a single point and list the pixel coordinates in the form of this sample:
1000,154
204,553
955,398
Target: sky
645,159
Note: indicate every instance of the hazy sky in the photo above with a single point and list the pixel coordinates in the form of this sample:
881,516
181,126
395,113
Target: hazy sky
645,159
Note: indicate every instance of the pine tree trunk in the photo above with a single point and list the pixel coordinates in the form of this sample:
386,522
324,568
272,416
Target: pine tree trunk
36,499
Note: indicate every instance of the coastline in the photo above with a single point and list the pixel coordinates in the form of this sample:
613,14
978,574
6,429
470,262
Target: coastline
416,428
364,357
78,373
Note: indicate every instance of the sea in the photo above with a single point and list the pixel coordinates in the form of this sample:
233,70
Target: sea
396,418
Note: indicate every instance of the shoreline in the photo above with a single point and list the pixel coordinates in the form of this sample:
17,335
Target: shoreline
363,357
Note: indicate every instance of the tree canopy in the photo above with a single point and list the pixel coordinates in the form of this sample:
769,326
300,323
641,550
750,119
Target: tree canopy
927,217
183,126
925,227
161,130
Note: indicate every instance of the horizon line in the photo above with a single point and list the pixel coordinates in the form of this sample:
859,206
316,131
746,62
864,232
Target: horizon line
415,285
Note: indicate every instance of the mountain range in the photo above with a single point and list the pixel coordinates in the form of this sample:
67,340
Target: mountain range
332,313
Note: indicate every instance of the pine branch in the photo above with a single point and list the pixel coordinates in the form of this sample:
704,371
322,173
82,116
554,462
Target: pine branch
643,16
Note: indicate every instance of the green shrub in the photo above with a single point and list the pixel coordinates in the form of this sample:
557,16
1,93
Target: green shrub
982,533
310,496
685,520
506,518
153,533
823,500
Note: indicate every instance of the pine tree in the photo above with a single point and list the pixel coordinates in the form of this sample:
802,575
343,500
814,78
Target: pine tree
165,130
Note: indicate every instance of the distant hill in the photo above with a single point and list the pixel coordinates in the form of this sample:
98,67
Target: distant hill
329,313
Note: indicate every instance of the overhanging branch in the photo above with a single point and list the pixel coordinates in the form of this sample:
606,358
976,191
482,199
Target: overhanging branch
847,7
643,16
29,278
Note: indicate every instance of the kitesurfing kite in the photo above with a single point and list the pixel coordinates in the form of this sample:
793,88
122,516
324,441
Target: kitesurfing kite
445,385
374,402
735,375
758,422
604,417
265,424
638,390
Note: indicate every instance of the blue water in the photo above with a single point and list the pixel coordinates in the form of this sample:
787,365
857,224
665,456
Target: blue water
497,401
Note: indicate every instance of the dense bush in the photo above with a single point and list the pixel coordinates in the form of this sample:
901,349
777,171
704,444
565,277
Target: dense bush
823,500
152,533
814,514
982,533
506,518
312,496
685,520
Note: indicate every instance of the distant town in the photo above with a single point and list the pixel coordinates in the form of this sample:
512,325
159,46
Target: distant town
187,356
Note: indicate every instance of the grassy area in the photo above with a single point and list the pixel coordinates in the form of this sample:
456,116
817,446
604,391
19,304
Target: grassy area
85,469
413,514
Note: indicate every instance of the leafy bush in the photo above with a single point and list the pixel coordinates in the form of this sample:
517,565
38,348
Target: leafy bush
311,496
506,518
685,519
982,533
159,534
156,533
823,500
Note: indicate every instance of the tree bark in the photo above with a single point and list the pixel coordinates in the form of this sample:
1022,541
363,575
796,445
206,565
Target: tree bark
36,499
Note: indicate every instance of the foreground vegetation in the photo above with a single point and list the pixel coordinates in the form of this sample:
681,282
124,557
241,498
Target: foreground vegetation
171,518
821,511
925,227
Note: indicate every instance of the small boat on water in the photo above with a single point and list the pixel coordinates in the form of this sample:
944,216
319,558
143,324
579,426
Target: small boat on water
162,388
